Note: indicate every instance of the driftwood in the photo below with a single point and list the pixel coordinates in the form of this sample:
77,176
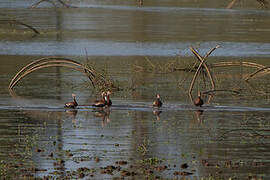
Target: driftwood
202,63
52,62
13,21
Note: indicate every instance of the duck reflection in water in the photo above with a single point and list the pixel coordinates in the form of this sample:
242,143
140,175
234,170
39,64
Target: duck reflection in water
72,113
104,114
199,115
157,113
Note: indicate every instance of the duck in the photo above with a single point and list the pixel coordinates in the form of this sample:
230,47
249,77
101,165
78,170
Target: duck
102,102
108,100
157,102
72,104
198,101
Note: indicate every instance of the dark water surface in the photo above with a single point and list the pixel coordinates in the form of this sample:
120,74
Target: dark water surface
228,137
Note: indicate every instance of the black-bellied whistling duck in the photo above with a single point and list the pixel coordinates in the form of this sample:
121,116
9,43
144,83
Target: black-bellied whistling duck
72,104
108,100
102,102
157,102
198,101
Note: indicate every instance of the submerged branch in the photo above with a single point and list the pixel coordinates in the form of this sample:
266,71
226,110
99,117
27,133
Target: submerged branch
221,90
13,21
255,73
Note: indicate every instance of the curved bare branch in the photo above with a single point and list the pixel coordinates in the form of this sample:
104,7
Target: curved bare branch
13,21
52,62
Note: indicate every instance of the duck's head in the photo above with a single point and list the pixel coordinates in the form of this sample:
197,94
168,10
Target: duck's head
103,94
109,93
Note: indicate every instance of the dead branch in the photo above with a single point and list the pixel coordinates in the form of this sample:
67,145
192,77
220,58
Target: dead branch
230,5
39,2
202,63
13,21
255,73
52,62
246,64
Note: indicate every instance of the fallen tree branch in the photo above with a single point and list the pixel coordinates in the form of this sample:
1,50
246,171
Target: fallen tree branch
255,73
13,21
202,63
52,62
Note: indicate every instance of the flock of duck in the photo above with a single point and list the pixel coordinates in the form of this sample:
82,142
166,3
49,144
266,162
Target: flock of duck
106,101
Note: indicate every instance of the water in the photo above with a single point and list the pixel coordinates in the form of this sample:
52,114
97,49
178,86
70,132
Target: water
227,137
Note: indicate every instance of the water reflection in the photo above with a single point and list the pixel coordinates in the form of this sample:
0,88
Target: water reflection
103,114
157,113
199,115
72,113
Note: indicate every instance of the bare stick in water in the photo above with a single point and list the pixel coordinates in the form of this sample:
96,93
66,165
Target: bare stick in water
52,62
202,63
13,21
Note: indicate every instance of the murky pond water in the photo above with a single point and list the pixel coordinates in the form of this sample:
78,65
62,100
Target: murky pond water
228,137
